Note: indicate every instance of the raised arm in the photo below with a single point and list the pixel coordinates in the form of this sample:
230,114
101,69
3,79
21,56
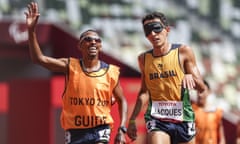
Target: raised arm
57,65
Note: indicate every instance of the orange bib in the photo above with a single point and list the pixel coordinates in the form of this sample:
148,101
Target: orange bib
87,98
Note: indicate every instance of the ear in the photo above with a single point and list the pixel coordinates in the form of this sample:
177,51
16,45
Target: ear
100,47
168,28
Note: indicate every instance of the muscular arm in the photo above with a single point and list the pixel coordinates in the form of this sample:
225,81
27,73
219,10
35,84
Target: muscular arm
143,93
188,63
238,132
142,99
122,103
57,65
222,135
122,109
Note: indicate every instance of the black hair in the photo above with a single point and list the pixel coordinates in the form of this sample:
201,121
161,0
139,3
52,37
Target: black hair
154,15
86,31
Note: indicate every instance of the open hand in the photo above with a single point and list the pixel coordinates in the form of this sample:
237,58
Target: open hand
188,82
32,15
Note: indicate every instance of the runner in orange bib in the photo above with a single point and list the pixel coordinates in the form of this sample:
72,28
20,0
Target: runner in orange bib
209,128
89,88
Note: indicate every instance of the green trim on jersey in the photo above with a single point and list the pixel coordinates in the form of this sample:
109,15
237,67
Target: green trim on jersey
188,113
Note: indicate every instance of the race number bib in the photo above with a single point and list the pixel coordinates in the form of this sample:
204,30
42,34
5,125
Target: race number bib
169,110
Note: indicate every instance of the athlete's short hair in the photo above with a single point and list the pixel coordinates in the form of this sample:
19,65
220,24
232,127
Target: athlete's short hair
86,31
154,15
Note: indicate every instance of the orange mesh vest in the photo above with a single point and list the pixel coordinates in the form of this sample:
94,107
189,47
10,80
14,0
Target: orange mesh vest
207,125
87,97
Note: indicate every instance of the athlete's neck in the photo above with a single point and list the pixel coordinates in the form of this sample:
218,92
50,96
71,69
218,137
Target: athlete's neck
163,50
90,66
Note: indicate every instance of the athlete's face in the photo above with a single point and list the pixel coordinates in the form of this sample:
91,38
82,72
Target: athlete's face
156,32
90,44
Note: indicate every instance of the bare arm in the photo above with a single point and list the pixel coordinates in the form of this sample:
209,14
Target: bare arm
188,82
238,140
188,63
57,65
122,103
143,93
142,99
140,102
122,108
238,132
222,135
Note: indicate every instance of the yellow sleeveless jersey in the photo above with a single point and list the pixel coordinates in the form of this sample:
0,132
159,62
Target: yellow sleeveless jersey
87,97
163,78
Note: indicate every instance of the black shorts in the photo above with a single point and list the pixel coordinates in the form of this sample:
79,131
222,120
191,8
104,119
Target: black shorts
178,132
89,135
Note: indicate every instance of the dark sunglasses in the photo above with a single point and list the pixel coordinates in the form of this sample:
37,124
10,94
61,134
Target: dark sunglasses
157,27
89,39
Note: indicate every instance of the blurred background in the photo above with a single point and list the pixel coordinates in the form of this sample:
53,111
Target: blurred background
30,96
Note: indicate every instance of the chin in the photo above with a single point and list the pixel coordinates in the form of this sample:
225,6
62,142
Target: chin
92,56
158,45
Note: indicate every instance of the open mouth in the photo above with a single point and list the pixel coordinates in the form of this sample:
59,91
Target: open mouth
156,40
92,50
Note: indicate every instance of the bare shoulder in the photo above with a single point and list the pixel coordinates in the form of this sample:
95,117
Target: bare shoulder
141,56
186,52
141,60
185,48
56,65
